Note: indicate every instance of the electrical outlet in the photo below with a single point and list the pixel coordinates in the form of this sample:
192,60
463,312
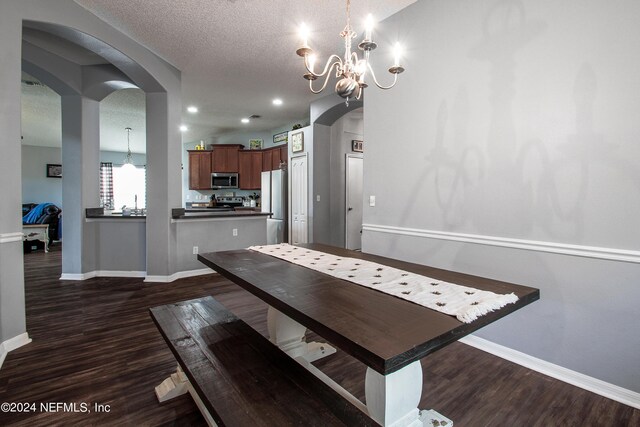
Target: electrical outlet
195,250
235,232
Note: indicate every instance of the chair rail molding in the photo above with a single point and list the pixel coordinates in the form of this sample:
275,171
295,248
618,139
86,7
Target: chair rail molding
611,254
11,237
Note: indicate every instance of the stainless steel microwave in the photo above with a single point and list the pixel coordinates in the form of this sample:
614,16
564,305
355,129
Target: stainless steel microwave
224,180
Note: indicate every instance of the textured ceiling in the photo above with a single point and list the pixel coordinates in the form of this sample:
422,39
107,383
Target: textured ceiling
236,55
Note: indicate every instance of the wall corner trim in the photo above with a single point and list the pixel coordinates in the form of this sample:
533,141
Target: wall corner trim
611,254
594,385
179,275
12,344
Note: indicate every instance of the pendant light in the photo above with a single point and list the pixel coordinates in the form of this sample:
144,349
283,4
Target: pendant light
128,161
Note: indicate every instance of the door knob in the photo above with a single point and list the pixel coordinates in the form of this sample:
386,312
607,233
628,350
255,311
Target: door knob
350,209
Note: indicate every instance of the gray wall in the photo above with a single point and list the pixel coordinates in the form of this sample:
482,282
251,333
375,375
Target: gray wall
343,131
211,235
36,187
12,310
119,244
334,127
522,128
156,77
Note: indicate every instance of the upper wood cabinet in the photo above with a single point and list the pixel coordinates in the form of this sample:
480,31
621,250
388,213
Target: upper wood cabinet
225,158
230,158
250,169
267,160
272,157
199,170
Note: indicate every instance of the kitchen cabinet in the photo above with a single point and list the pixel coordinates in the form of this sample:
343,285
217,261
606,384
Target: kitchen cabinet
249,169
199,170
280,155
272,157
225,158
267,162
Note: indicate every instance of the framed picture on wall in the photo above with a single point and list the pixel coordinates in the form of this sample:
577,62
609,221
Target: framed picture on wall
255,144
280,137
297,142
356,146
54,171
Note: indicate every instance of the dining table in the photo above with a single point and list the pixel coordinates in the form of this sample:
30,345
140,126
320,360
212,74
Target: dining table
389,335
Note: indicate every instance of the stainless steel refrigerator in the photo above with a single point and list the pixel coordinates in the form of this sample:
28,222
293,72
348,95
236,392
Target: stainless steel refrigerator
273,196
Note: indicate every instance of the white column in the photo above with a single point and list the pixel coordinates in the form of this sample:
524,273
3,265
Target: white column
392,400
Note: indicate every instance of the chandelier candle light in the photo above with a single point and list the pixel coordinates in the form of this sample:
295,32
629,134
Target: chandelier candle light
351,70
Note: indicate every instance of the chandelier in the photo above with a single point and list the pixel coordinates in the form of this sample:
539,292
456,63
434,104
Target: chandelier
350,70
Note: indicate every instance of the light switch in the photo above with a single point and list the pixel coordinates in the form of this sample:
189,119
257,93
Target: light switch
317,198
372,200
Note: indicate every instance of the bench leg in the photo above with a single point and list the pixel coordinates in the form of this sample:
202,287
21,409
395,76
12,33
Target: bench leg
174,386
289,336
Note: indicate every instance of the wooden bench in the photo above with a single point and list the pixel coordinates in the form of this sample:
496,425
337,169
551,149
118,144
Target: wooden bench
239,377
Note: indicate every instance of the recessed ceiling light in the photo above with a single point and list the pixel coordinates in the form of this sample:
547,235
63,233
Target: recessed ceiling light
277,101
192,109
245,120
183,128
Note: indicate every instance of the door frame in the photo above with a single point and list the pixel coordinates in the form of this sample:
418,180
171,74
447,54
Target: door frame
346,191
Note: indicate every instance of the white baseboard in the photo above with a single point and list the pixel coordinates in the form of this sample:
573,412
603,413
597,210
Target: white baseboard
612,254
179,275
102,273
157,279
610,391
77,276
12,344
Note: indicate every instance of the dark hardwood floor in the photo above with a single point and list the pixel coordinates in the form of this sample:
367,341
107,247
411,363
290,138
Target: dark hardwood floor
94,343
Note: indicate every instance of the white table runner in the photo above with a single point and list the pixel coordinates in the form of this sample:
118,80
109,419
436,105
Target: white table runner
467,304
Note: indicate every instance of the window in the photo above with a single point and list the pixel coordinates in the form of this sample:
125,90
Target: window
129,183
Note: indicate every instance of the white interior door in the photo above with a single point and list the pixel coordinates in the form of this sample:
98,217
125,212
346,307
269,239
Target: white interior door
353,205
299,199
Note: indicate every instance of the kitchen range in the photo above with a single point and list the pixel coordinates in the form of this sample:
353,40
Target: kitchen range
222,204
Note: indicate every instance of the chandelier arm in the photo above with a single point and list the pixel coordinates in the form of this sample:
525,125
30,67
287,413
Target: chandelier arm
373,75
326,79
327,66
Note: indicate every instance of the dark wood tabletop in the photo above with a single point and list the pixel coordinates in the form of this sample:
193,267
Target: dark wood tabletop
382,331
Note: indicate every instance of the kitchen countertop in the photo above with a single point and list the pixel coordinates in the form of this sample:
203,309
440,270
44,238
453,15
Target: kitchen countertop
180,213
93,213
194,214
